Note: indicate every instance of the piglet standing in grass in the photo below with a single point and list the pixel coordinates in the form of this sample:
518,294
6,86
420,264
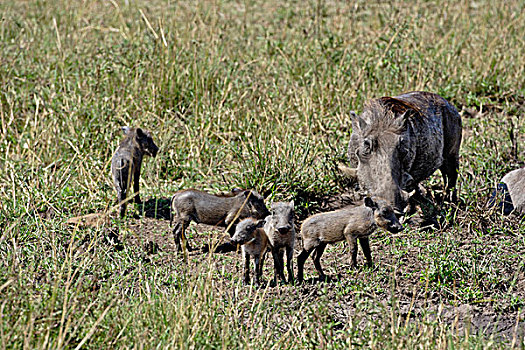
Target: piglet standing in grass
218,210
280,229
127,161
250,234
352,224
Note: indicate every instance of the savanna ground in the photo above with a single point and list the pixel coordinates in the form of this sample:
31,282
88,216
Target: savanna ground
250,94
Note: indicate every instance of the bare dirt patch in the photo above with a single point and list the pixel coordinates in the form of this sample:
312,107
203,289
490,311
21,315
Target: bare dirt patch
401,282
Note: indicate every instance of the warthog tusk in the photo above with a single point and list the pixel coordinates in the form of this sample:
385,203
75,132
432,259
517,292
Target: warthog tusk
347,171
250,241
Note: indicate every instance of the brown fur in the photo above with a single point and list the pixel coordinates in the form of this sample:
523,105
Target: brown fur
382,117
251,235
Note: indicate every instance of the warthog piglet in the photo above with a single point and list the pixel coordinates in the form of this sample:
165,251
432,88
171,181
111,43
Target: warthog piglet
280,230
127,161
218,210
250,234
349,223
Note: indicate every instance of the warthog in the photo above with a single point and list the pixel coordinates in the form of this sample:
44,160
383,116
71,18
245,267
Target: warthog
218,210
127,161
250,234
400,141
512,191
348,223
280,230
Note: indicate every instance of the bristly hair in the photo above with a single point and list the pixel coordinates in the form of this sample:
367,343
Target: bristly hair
379,116
383,113
229,194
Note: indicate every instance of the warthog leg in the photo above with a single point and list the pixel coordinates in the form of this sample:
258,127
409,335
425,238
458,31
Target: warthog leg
365,245
247,268
289,264
317,260
449,169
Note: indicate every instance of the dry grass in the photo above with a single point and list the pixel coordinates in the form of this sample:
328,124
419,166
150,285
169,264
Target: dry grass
251,94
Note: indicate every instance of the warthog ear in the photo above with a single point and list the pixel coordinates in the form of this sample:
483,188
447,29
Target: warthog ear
246,193
126,130
401,121
362,124
369,202
353,118
291,203
358,123
260,223
236,190
140,133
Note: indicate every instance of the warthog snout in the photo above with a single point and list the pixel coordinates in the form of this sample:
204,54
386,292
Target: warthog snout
235,241
280,230
155,151
395,227
242,240
384,215
284,229
396,196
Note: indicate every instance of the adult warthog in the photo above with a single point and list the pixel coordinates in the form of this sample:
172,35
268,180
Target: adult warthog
509,195
400,141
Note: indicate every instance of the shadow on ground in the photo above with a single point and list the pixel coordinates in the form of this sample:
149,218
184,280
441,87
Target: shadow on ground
157,208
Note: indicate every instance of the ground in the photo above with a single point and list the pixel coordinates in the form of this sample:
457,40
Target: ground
398,275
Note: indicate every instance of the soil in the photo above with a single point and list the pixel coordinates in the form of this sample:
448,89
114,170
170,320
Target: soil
412,300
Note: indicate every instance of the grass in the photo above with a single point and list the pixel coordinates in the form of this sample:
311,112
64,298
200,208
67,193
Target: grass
251,94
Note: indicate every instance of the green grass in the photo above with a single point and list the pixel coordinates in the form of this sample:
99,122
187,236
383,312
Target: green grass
251,94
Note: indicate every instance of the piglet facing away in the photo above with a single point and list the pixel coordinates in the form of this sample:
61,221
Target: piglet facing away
280,229
509,196
348,223
250,234
218,210
127,161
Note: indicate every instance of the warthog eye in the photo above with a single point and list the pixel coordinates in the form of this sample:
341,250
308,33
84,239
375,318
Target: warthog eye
366,148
